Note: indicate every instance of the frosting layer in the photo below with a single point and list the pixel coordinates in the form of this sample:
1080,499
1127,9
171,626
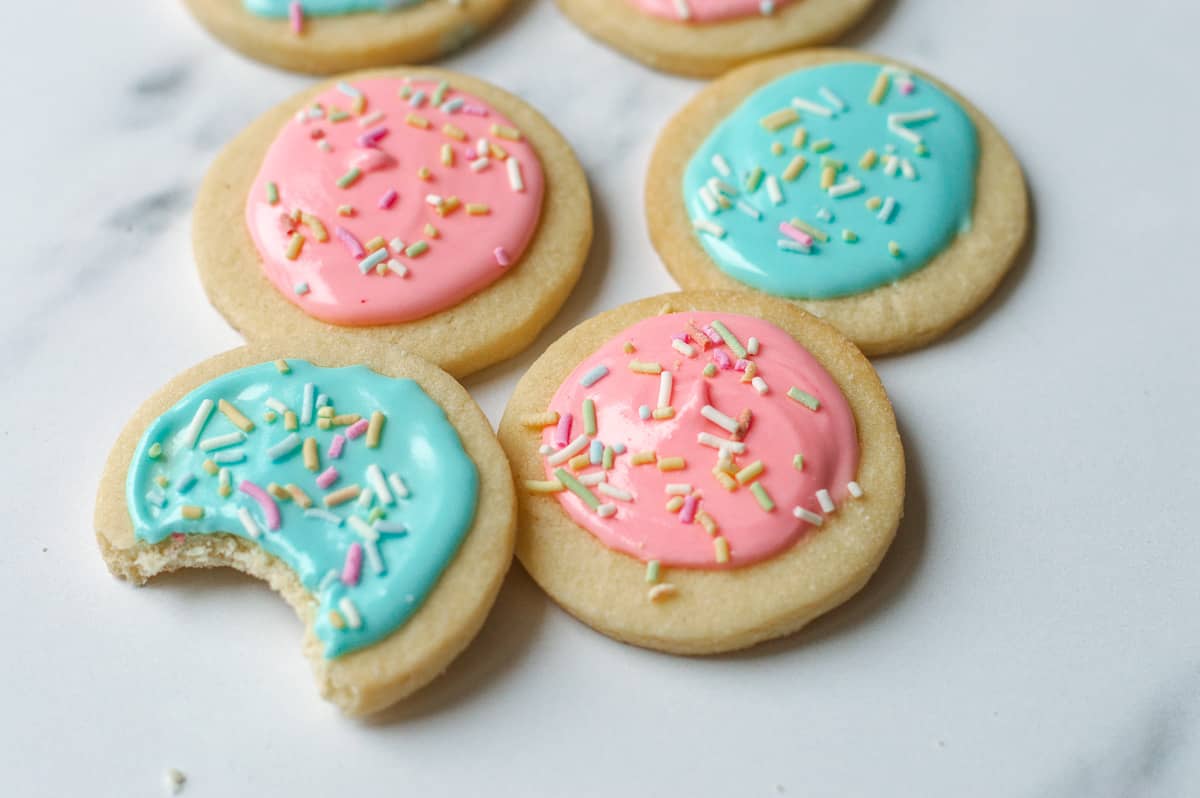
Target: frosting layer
709,431
389,200
707,10
324,8
834,180
357,481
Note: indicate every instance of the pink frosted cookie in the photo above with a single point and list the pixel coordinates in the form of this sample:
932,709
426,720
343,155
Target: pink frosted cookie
703,471
704,38
424,208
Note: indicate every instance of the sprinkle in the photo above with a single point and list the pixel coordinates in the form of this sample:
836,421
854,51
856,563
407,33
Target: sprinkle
327,477
299,496
272,193
849,236
831,98
374,429
873,203
416,120
685,349
606,462
721,549
350,178
573,448
678,489
846,188
581,461
269,508
642,458
907,169
352,569
353,619
730,339
615,492
342,495
285,447
221,441
675,504
672,464
506,132
594,376
279,492
826,501
592,479
296,19
722,359
750,472
477,209
576,487
440,92
868,160
706,521
544,486
479,164
799,236
687,513
515,181
356,429
819,235
589,418
501,256
798,462
777,120
352,243
562,432
644,412
454,132
811,107
720,419
803,397
712,228
708,439
398,486
764,499
794,169
379,485
371,261
879,90
191,512
773,191
652,569
248,523
229,457
709,370
727,482
595,452
894,249
855,489
665,383
661,592
282,367
416,249
335,446
371,549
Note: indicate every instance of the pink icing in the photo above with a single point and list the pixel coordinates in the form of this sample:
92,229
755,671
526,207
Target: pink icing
390,200
780,428
703,10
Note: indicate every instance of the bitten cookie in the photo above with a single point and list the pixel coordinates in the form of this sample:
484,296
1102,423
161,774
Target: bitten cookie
322,37
416,208
863,190
704,38
699,472
364,485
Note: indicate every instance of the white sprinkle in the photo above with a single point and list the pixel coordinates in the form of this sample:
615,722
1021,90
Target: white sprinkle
573,448
379,485
365,497
712,228
606,510
306,408
773,191
276,405
173,780
327,580
718,186
619,494
826,501
397,267
890,164
479,164
324,515
760,385
855,489
196,425
721,165
370,119
720,419
707,439
904,133
515,181
229,456
665,382
845,188
752,346
221,441
788,245
353,619
594,478
364,530
706,199
749,210
285,447
374,559
828,96
678,488
683,348
886,211
909,117
248,523
397,244
390,528
808,515
398,486
481,147
545,449
907,169
811,107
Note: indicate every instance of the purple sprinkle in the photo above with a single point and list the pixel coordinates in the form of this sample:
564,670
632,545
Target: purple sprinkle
688,511
475,110
372,136
562,433
741,365
722,359
501,256
352,243
712,334
388,199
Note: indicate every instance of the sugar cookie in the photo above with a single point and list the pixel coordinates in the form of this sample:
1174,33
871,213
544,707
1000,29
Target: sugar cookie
863,190
364,486
699,472
421,209
704,38
322,37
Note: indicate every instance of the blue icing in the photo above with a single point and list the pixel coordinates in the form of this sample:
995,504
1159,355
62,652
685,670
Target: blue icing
418,444
931,207
323,8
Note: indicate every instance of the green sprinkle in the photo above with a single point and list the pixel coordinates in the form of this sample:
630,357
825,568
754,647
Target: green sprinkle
750,472
589,417
272,193
155,450
836,164
710,370
804,398
922,150
376,514
798,462
820,235
405,91
764,500
754,179
606,461
730,339
350,178
577,487
338,115
822,145
416,248
439,93
652,571
894,249
849,236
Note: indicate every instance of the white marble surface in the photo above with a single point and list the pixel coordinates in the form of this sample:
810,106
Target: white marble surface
1033,633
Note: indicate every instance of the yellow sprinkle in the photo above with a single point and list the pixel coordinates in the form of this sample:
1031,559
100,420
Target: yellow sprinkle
776,148
431,231
336,620
345,210
672,464
662,592
630,348
378,242
454,132
643,458
323,423
869,159
506,132
375,429
750,373
750,472
295,244
727,482
880,89
820,235
270,416
314,224
543,486
450,205
661,413
777,120
290,421
645,368
279,492
580,462
477,209
345,419
799,137
342,495
721,549
236,416
894,249
191,512
325,412
282,367
210,467
828,177
312,460
162,481
706,521
224,491
822,145
447,155
498,152
547,419
674,503
416,120
873,203
424,174
299,496
794,168
359,105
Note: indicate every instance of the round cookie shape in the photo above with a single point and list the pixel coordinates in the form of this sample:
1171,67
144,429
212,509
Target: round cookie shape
861,189
443,211
370,494
711,585
417,208
704,38
322,37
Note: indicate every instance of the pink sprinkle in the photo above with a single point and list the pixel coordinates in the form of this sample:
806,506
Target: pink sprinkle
327,478
741,365
357,428
269,508
722,359
476,110
562,433
296,14
372,160
352,570
388,199
796,235
336,445
372,136
688,512
353,244
712,334
907,87
501,256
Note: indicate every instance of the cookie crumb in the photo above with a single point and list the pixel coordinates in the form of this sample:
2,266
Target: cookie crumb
174,780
